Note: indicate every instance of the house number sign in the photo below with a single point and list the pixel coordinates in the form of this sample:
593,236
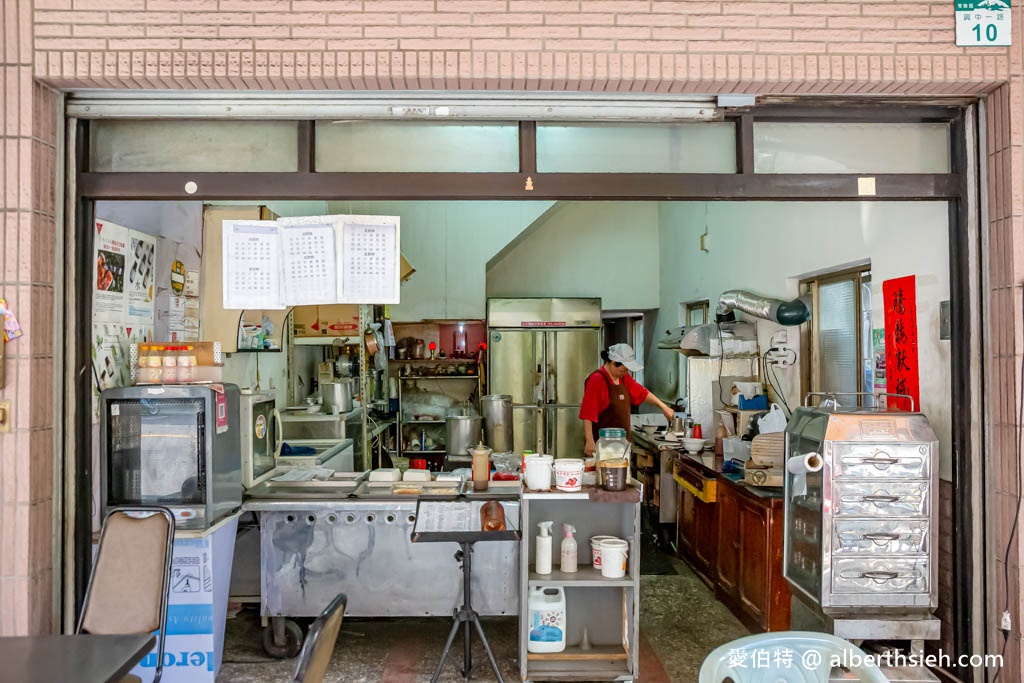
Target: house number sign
982,22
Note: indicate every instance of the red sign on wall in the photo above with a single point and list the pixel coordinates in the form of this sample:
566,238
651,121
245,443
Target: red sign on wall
901,366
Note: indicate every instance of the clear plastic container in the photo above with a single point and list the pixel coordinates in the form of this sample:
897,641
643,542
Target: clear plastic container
169,365
611,443
149,370
186,364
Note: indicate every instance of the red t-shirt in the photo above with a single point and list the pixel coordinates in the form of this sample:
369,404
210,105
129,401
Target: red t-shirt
595,394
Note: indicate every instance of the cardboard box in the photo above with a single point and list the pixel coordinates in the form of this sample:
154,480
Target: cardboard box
304,321
333,320
196,607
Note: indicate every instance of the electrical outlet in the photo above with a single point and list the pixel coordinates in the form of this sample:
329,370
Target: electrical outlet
780,338
1005,623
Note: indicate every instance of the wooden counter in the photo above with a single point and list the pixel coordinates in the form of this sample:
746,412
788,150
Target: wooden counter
731,535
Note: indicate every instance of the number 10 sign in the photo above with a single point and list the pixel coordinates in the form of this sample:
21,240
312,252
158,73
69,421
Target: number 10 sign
982,22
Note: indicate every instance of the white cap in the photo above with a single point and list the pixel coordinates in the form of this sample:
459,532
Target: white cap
623,353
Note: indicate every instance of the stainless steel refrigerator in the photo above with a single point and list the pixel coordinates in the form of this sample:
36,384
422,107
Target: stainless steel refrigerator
541,351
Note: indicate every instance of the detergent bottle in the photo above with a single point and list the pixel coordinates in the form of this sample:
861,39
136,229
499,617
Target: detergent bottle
547,619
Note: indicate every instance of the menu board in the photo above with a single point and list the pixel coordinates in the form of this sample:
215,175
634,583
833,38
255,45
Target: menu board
438,516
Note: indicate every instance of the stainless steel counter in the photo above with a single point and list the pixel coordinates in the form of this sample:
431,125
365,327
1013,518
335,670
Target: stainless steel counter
314,545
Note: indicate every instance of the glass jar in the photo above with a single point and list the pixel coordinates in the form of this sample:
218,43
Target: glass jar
492,516
481,467
611,443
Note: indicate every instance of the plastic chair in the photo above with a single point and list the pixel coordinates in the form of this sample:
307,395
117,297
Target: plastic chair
127,590
320,640
786,657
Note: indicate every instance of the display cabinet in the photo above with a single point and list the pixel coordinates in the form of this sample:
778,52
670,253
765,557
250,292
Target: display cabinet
607,609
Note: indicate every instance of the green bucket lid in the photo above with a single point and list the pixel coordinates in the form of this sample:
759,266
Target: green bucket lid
612,433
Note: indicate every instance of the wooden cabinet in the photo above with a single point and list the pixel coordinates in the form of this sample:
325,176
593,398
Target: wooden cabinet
749,562
697,521
731,536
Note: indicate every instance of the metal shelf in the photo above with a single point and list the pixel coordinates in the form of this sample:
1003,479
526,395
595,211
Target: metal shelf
432,377
586,576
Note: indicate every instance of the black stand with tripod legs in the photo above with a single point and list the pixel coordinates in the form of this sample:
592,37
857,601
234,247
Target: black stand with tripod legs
466,615
446,520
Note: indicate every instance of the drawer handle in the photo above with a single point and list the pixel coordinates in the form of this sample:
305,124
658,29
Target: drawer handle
881,461
881,499
879,576
880,538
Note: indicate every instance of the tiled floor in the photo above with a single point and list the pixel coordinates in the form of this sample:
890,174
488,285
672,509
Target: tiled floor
680,623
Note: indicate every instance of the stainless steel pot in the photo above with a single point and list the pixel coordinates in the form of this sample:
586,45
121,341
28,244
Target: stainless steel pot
337,396
497,411
462,433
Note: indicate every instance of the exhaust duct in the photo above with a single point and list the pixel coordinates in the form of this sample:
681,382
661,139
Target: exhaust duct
795,312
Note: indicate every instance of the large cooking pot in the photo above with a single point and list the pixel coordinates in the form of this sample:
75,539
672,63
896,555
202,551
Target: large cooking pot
497,410
337,396
462,433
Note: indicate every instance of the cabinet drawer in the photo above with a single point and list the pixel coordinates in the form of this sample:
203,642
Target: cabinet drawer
875,536
873,461
857,498
703,488
901,575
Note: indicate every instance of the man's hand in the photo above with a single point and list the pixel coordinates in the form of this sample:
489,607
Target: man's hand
589,447
668,413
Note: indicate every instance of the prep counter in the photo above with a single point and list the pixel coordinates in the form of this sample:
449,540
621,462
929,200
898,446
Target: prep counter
314,545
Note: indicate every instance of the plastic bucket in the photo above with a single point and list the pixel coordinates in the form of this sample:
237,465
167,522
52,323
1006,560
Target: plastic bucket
595,548
568,474
614,554
538,472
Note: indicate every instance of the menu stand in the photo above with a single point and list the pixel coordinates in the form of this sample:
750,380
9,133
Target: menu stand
444,519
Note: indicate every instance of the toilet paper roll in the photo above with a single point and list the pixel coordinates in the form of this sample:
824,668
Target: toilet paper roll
392,387
799,466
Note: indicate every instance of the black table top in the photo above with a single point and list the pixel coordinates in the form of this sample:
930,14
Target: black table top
78,658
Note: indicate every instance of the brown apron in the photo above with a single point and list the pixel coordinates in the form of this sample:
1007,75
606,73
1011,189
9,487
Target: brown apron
618,410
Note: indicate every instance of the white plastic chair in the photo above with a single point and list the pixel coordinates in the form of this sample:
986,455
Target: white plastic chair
786,657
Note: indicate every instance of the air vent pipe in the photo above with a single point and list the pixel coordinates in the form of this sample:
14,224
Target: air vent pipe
795,312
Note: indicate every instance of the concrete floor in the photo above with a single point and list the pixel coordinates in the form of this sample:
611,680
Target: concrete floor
680,622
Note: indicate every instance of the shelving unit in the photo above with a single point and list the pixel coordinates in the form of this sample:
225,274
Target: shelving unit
460,387
608,608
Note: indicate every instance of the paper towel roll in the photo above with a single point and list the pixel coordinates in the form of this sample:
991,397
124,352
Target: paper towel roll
799,466
392,387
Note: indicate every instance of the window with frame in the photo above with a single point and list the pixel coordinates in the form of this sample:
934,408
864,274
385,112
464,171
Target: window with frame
840,335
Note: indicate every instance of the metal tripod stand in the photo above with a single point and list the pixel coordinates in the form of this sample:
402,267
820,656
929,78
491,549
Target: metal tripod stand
467,616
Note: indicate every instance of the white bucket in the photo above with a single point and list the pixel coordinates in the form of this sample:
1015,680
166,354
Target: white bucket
614,554
568,474
595,548
538,472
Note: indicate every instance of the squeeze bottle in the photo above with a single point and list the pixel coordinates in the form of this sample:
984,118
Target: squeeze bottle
543,557
569,556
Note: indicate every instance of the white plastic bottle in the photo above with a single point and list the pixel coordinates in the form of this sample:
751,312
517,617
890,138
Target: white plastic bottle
543,556
569,556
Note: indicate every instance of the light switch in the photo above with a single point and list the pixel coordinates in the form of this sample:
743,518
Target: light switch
5,415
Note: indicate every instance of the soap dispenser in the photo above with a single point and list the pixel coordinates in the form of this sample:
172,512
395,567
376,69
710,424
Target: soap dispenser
543,555
568,563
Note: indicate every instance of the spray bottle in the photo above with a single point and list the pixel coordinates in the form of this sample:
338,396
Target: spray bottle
568,549
543,556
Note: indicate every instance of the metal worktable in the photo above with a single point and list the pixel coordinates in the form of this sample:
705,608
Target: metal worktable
315,544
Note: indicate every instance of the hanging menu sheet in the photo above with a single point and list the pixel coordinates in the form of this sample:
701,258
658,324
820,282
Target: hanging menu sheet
438,516
310,264
252,265
369,265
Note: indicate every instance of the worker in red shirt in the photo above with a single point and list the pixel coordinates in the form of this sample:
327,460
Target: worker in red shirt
610,392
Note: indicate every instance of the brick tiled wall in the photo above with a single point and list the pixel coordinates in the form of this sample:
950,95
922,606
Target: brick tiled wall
803,46
27,158
1006,254
692,46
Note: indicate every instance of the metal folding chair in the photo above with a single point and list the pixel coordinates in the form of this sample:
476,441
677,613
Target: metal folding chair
319,646
127,590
